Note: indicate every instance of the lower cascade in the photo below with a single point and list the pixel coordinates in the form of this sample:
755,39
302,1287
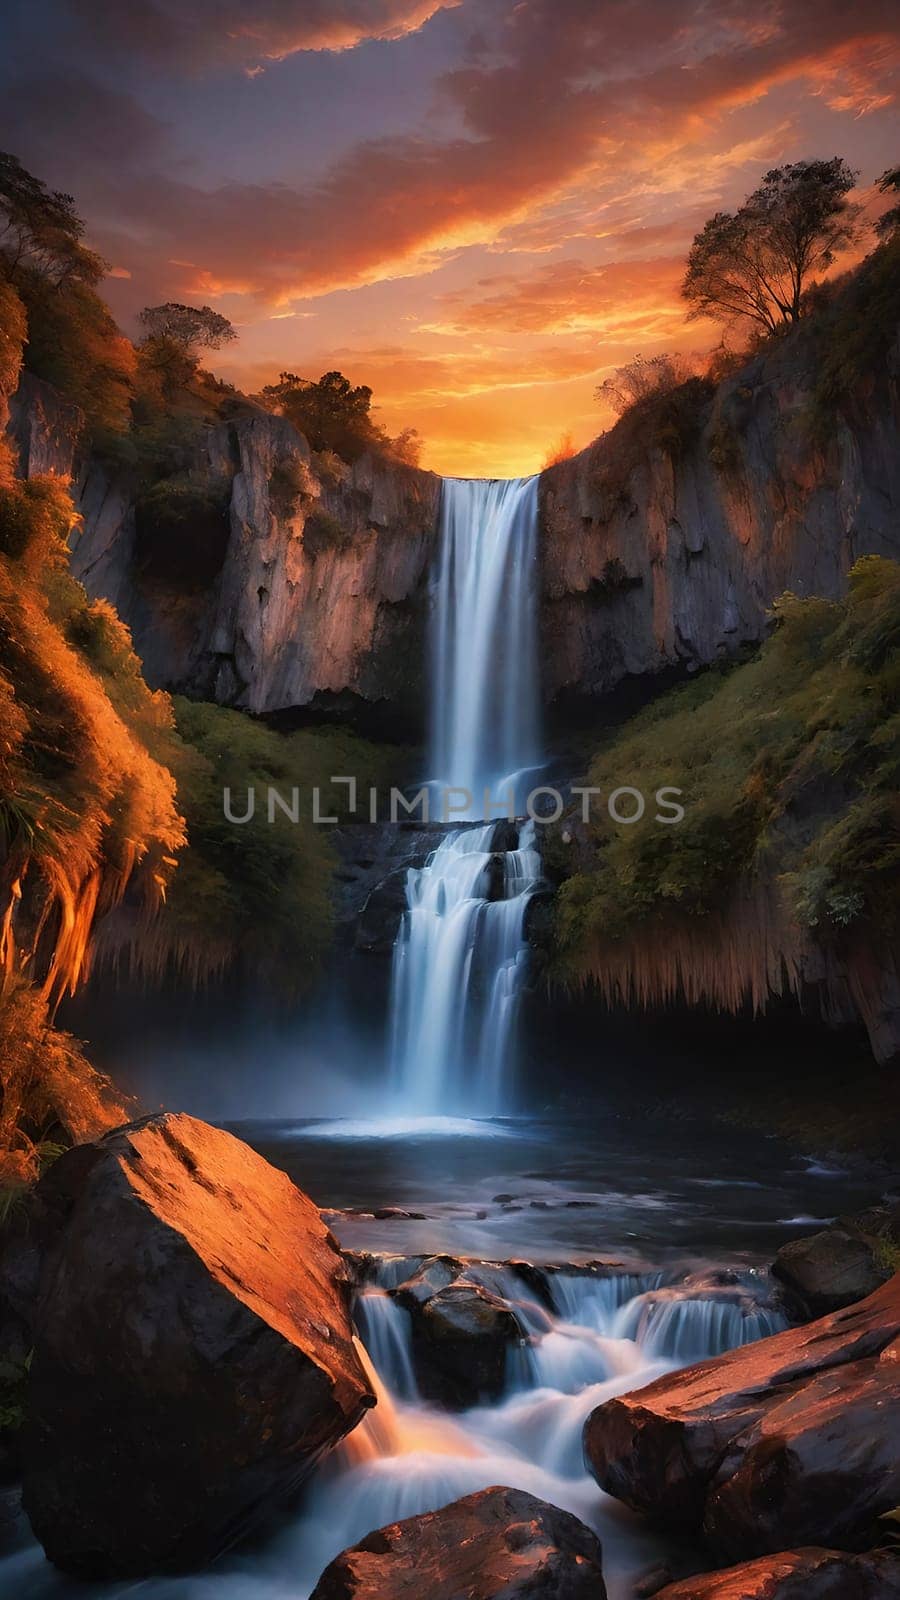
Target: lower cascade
408,1456
459,966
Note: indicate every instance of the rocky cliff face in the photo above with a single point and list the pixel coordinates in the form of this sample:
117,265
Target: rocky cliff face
665,547
660,547
320,596
321,590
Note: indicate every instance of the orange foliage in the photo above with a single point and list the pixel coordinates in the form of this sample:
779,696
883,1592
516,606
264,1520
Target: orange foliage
87,809
563,450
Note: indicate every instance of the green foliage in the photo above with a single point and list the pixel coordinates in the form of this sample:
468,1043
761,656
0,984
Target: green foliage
331,413
74,344
192,328
661,403
886,1251
335,417
253,899
40,228
855,326
889,221
181,531
329,468
13,1392
788,766
288,482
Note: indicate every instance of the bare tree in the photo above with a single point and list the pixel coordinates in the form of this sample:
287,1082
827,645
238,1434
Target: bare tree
643,378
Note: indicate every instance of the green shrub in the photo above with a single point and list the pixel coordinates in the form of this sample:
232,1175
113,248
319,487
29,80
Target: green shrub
254,900
74,344
853,332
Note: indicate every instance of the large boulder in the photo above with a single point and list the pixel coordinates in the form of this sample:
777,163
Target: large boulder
792,1440
843,1263
193,1351
499,1544
810,1574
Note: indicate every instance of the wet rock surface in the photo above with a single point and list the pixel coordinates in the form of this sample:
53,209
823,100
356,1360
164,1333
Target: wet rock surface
499,1544
193,1352
843,1263
462,1334
808,1574
788,1441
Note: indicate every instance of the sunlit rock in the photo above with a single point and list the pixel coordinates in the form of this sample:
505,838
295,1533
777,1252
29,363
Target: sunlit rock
500,1544
787,1441
192,1347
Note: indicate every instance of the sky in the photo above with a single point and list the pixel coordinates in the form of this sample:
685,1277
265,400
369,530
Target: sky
480,208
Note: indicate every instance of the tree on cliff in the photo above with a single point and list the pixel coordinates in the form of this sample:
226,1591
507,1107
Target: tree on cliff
331,413
40,230
72,340
175,335
192,328
755,264
642,379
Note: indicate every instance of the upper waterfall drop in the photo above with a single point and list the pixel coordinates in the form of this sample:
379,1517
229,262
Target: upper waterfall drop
485,718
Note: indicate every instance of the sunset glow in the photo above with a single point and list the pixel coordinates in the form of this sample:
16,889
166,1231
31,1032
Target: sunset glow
477,208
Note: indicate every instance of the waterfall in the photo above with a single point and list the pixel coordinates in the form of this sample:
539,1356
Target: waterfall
406,1456
484,721
684,1327
385,1332
459,966
460,956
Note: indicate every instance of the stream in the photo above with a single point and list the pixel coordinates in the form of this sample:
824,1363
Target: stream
692,1221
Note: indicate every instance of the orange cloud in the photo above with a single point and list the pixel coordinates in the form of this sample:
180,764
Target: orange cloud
568,297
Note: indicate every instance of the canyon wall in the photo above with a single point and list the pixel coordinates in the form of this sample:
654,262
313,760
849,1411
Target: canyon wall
665,542
320,596
662,544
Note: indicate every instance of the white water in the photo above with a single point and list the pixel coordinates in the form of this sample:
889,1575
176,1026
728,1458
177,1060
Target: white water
460,956
458,971
407,1457
484,718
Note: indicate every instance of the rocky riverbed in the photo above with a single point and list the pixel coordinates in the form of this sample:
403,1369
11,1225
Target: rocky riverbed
205,1360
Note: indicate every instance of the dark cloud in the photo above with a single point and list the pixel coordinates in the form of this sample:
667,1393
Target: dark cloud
68,119
568,123
197,33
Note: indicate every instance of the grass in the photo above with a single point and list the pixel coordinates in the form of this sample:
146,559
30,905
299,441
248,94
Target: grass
254,900
788,766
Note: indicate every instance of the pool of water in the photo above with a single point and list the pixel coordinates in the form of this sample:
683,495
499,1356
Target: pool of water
565,1187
